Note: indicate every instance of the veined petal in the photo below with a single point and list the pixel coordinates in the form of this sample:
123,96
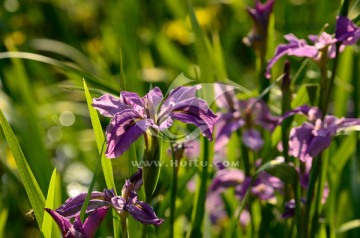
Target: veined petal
346,31
226,178
152,102
108,105
133,100
142,212
344,123
123,130
197,112
296,47
319,142
72,206
93,221
176,96
300,138
63,223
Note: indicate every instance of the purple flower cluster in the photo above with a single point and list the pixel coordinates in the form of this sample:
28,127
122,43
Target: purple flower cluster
133,116
245,114
313,136
346,33
97,208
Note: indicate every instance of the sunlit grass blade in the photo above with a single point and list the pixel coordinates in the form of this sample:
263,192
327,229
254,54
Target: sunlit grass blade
202,52
37,199
49,228
105,162
57,63
99,137
343,83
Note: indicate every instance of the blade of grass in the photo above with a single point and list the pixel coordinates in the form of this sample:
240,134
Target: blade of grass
106,163
202,51
60,64
37,199
100,138
200,196
49,228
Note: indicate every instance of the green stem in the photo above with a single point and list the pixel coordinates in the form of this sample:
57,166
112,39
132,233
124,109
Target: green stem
92,183
151,170
314,174
200,197
319,193
124,227
173,191
297,193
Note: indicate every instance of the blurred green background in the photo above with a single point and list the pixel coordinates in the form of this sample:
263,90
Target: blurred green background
114,44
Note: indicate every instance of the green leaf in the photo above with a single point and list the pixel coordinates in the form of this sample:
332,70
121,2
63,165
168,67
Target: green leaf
105,162
99,137
348,226
202,50
48,224
343,88
281,170
32,188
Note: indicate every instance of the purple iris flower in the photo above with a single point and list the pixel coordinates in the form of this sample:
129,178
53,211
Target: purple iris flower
312,137
260,15
127,203
346,32
244,114
264,186
132,116
79,229
296,47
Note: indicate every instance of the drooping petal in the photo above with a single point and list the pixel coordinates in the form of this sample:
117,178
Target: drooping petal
72,206
142,212
313,113
225,126
63,223
133,100
123,130
108,105
196,111
93,221
320,141
346,31
226,178
344,123
252,139
296,47
299,140
175,97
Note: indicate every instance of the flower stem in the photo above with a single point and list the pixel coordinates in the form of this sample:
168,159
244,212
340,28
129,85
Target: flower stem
314,174
152,156
297,193
124,227
200,197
